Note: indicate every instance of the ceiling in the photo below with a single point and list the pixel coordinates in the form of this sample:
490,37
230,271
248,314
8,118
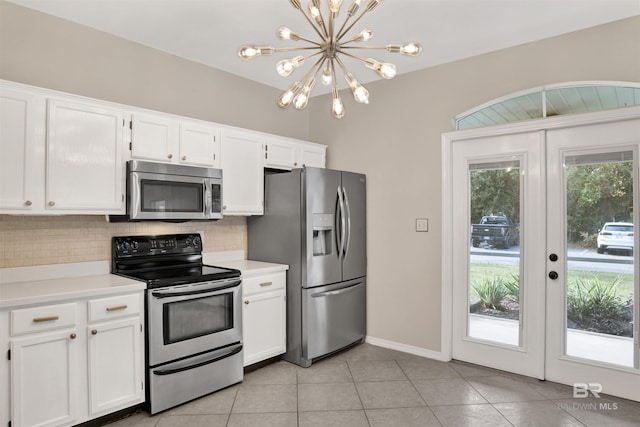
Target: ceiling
211,31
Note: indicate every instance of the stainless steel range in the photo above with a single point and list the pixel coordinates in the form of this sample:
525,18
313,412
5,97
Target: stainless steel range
193,317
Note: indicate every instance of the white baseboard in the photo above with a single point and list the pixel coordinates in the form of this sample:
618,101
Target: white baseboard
418,351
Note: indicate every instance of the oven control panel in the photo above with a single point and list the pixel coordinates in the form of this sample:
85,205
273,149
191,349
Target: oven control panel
152,245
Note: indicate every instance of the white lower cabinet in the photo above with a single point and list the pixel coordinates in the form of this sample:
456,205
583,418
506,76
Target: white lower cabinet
45,378
75,361
264,316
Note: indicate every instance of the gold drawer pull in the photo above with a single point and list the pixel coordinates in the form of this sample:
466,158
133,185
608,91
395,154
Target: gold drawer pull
266,284
117,307
45,319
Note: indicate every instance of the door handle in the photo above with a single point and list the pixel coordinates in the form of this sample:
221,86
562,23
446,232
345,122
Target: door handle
348,221
553,275
341,213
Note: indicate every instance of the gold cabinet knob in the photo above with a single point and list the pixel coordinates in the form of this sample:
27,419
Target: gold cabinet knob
73,336
94,332
170,156
52,203
28,203
246,302
184,157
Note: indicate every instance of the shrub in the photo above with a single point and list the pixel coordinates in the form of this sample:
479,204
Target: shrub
513,286
491,291
588,240
595,306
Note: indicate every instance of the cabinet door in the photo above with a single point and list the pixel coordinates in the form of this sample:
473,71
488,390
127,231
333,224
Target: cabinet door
281,154
44,379
84,164
264,326
115,364
199,144
154,138
313,155
22,123
242,177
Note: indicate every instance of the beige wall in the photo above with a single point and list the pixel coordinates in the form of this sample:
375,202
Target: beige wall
395,140
46,51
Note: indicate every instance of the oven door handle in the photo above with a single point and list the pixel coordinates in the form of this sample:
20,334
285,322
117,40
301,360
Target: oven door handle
161,295
234,351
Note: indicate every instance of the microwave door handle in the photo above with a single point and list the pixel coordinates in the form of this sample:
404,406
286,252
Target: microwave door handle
170,294
207,200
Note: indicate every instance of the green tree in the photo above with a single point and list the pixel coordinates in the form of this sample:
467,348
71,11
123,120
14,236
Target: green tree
596,194
494,192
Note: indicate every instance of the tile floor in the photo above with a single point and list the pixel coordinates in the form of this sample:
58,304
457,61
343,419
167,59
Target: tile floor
373,386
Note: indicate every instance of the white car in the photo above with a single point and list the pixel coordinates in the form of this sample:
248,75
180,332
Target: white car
616,236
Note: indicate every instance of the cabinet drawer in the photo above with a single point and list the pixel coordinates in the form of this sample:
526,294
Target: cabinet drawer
114,307
43,318
264,283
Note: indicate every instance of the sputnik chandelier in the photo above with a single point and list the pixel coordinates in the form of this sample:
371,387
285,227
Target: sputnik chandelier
330,47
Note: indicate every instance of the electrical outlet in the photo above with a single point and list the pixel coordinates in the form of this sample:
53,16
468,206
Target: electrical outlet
422,224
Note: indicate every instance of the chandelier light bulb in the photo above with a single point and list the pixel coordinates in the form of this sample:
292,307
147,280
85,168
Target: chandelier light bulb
360,93
301,100
285,99
334,5
386,70
411,49
337,108
286,66
250,52
365,35
327,78
285,33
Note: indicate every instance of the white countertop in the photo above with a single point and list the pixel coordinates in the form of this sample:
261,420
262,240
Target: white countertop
50,283
252,268
51,290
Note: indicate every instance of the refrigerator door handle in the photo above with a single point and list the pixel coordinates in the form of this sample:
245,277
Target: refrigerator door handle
348,221
343,226
337,291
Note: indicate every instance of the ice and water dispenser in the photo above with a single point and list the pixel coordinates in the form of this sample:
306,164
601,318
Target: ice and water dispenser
323,225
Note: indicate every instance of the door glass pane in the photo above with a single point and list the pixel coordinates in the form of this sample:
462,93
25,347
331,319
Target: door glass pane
494,286
600,282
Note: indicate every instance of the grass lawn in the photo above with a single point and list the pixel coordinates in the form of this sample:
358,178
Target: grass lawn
624,287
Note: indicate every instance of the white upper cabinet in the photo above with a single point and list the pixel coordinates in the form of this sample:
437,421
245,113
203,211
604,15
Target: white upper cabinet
242,173
154,137
281,153
313,155
199,144
22,124
84,158
170,139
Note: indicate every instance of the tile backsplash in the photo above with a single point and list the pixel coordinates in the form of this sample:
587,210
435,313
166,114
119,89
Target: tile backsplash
42,240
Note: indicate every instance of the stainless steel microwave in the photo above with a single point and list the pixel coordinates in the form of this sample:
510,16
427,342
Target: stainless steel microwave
165,192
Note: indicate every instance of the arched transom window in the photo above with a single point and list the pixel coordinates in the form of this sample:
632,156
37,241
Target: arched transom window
551,100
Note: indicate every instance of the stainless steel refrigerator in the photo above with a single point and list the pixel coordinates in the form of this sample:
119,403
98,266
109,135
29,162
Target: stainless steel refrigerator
315,221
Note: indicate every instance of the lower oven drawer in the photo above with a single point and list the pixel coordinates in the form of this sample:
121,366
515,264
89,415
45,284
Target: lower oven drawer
175,383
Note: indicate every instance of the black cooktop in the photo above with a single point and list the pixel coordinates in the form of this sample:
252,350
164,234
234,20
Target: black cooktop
164,260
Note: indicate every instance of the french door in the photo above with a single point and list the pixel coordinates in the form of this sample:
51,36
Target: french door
542,268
